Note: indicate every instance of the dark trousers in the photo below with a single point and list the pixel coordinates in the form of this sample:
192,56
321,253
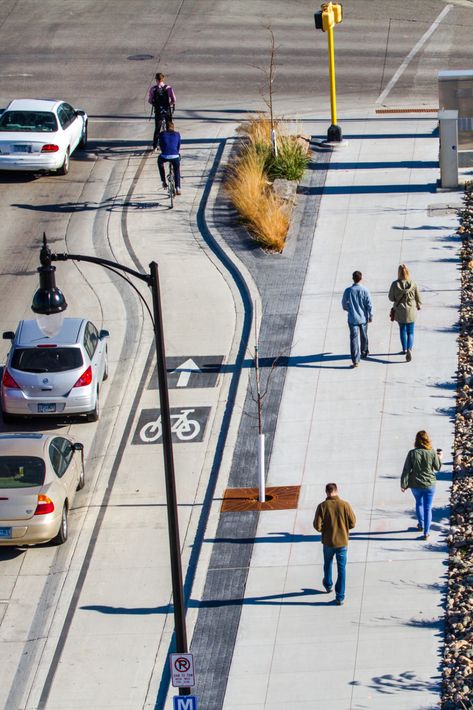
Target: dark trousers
177,170
158,118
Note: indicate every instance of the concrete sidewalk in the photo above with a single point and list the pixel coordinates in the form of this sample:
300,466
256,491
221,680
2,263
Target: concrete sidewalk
295,648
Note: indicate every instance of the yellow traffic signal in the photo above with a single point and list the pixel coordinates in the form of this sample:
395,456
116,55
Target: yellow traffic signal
327,17
337,13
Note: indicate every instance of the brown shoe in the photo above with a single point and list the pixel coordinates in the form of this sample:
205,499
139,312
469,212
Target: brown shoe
408,356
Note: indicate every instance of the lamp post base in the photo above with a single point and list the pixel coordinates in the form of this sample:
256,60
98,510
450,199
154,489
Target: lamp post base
334,134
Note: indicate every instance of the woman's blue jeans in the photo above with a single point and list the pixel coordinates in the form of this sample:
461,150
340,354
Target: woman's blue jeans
406,331
424,500
341,555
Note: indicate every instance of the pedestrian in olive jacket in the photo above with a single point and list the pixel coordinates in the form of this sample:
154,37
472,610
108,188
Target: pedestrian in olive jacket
404,293
418,474
334,518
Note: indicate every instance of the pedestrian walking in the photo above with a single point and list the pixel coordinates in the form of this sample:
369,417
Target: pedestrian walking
357,302
334,518
162,98
418,474
404,293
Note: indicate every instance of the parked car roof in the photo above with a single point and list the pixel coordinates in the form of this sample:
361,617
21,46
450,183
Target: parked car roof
28,444
29,333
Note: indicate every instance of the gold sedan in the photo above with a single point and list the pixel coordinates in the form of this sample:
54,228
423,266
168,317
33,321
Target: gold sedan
39,476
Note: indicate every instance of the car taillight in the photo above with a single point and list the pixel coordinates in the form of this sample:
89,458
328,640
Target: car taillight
8,381
85,378
45,505
50,148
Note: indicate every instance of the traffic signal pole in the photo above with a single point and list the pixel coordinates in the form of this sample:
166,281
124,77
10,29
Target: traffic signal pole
331,14
334,133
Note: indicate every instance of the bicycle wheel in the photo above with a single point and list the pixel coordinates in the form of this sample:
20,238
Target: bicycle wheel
171,185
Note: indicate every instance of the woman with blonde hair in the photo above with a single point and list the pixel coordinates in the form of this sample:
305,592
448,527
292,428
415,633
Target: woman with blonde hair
404,293
418,474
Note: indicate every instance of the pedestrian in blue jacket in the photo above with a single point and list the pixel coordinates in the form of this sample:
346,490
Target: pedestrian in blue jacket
357,302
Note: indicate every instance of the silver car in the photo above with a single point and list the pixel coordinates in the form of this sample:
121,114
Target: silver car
54,376
39,477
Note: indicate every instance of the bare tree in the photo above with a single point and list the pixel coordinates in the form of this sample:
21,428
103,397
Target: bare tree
267,88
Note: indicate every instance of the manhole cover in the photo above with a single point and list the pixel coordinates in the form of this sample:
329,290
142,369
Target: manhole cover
140,57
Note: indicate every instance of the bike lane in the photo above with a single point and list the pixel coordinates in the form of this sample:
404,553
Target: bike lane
122,622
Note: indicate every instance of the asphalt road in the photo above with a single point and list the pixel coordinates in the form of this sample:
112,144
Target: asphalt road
215,54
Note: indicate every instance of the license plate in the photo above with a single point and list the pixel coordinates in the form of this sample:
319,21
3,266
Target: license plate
47,408
22,149
5,533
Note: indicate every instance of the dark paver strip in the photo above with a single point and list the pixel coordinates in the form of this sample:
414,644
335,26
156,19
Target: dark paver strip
280,280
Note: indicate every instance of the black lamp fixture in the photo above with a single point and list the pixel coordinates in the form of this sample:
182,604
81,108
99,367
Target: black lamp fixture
49,303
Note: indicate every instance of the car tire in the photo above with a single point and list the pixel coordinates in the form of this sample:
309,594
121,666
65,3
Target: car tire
93,416
63,531
105,370
81,481
64,169
83,139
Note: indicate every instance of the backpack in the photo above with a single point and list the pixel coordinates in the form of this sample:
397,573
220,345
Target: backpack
161,101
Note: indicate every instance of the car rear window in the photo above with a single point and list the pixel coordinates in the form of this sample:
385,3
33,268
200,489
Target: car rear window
28,121
46,359
21,471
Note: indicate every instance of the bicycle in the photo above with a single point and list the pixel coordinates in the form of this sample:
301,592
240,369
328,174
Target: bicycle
171,184
164,117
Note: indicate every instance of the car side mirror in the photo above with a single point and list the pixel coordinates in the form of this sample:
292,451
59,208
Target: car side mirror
8,335
79,112
104,334
78,446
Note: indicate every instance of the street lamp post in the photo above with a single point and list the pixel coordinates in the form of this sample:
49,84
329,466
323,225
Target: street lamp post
49,301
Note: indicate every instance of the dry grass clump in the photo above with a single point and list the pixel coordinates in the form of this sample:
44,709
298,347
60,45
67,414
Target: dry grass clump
249,179
258,129
265,214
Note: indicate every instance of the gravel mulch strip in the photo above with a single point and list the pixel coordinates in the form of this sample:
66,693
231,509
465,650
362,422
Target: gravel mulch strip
457,692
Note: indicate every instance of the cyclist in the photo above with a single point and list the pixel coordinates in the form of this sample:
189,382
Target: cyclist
169,145
162,98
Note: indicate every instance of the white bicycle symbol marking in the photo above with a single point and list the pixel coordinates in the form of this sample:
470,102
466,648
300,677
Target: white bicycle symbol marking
185,429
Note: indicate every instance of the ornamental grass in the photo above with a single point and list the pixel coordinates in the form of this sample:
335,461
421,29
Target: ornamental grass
250,176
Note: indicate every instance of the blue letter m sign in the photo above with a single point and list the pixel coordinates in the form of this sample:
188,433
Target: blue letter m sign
184,702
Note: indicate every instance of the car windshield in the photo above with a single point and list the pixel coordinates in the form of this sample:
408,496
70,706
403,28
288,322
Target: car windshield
46,359
21,471
28,121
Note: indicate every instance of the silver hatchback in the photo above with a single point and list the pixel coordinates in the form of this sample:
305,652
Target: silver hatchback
56,376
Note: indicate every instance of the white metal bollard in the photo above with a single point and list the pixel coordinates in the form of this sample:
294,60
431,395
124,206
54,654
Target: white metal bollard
261,478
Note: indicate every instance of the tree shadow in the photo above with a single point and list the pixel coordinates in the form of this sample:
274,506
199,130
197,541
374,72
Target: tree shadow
408,681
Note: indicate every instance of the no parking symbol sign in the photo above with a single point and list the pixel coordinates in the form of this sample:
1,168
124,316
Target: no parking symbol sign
182,670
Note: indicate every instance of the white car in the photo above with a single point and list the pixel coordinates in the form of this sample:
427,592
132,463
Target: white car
40,134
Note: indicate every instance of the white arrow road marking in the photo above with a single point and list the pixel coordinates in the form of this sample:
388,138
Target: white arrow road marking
185,371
